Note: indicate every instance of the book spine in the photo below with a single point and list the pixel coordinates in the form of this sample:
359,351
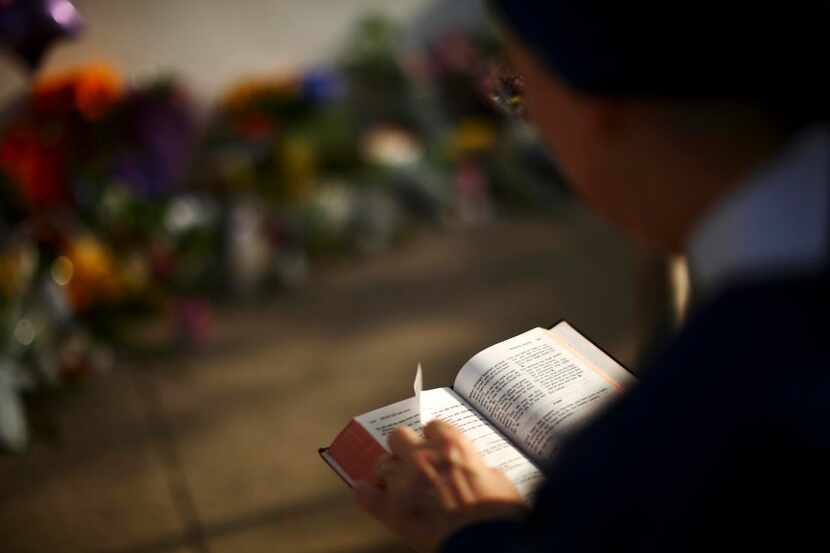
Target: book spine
356,452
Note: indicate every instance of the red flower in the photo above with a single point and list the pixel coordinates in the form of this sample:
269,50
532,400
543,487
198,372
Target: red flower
36,149
35,159
254,127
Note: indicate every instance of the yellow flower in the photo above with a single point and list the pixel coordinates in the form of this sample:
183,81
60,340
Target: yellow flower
473,136
135,274
16,267
93,273
297,165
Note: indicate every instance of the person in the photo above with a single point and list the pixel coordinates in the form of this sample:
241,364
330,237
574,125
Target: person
710,140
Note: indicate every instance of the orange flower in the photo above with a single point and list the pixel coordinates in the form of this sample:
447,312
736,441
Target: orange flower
97,90
92,90
245,95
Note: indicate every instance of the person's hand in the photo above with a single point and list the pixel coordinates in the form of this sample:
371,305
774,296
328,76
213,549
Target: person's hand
426,489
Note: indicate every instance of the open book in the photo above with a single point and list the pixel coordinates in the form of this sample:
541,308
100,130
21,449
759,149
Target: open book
515,401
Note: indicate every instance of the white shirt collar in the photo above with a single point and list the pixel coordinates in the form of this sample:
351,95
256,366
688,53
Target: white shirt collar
777,221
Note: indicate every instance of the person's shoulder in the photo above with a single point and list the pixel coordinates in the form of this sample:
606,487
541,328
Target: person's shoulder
759,349
798,294
741,395
764,318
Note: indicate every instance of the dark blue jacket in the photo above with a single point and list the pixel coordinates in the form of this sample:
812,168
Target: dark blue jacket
723,446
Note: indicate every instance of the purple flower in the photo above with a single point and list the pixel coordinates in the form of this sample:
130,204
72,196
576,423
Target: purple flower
157,130
322,85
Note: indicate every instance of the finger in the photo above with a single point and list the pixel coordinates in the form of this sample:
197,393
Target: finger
403,441
459,460
441,430
444,433
446,436
404,490
383,467
442,488
369,498
458,472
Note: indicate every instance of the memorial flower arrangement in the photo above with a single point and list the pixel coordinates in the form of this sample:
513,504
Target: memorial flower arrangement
126,212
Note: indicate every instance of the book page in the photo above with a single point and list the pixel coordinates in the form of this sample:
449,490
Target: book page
446,405
540,385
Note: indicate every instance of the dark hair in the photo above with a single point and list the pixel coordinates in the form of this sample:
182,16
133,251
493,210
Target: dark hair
703,50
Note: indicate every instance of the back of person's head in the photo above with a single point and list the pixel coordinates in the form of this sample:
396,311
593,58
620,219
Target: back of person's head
638,100
770,54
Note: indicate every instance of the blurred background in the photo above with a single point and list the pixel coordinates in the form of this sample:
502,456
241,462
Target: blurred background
226,228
